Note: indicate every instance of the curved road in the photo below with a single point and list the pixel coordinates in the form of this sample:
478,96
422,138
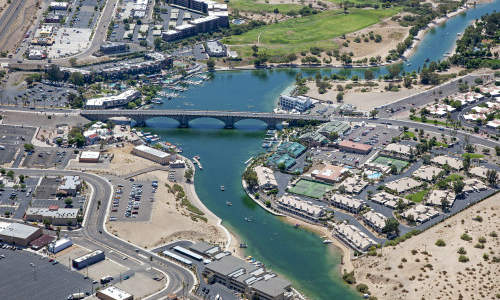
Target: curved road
94,225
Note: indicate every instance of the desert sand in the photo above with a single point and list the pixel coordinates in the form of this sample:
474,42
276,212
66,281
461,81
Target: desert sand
419,269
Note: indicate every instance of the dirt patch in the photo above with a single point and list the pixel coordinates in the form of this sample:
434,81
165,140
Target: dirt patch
18,17
419,269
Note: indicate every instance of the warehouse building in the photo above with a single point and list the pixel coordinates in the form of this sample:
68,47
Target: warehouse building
152,154
59,245
54,214
113,293
18,234
89,156
88,259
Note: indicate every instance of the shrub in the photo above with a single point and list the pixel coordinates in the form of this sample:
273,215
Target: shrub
461,250
463,259
479,246
349,277
440,243
486,256
478,218
466,237
493,234
362,288
482,239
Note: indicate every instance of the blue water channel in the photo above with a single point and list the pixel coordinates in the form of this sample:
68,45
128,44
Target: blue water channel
295,253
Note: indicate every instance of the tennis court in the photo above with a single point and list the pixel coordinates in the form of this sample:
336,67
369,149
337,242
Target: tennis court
389,161
310,188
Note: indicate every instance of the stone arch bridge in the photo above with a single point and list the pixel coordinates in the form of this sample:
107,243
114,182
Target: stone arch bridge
229,118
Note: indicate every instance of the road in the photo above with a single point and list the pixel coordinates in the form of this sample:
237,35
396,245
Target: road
94,232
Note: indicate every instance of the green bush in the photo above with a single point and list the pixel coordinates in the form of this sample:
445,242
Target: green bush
463,259
362,288
440,243
466,237
349,277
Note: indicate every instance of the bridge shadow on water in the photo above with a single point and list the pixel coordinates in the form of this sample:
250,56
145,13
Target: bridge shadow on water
209,124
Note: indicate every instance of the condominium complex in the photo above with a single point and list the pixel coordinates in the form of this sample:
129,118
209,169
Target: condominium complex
375,220
353,236
113,101
347,203
301,208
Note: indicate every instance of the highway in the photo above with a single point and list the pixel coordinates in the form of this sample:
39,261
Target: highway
94,232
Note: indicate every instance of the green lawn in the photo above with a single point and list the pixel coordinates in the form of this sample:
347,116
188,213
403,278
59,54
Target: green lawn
300,34
409,135
453,177
310,188
254,6
472,155
389,161
418,196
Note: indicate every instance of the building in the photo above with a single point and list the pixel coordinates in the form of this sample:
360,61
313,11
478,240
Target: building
474,185
53,18
59,245
299,103
281,161
113,101
113,293
56,5
334,129
427,173
442,160
178,164
420,213
388,200
301,208
403,185
265,178
53,214
110,48
215,49
41,241
89,156
88,259
18,234
69,185
293,149
36,54
349,146
398,150
436,198
479,172
205,249
246,278
353,236
354,184
314,138
329,173
375,220
152,154
347,203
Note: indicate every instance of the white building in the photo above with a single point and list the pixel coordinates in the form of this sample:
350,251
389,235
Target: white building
375,220
265,178
113,101
403,185
301,208
59,245
420,213
353,236
436,198
113,293
55,5
299,103
55,215
442,160
89,156
427,173
69,185
347,203
152,154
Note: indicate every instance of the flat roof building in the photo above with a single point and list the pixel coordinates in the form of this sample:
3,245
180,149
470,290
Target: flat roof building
89,156
329,173
113,101
113,293
299,103
333,128
70,185
55,215
152,154
88,259
349,146
18,234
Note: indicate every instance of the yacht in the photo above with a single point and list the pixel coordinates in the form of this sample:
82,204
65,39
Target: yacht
228,203
327,241
222,188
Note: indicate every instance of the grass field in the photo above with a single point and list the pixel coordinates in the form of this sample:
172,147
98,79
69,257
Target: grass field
418,196
388,161
472,155
254,6
300,34
310,188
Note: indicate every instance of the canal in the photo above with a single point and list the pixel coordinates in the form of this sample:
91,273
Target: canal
295,253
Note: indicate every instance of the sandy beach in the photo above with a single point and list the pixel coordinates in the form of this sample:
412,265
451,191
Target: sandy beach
419,269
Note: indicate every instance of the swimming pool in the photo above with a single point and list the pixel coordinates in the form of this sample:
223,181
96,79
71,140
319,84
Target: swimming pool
375,175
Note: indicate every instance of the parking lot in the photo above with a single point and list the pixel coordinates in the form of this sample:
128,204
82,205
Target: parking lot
40,95
17,200
47,158
12,139
26,275
132,201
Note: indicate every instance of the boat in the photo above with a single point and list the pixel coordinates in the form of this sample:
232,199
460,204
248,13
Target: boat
248,219
297,225
228,203
327,241
222,188
249,160
243,245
